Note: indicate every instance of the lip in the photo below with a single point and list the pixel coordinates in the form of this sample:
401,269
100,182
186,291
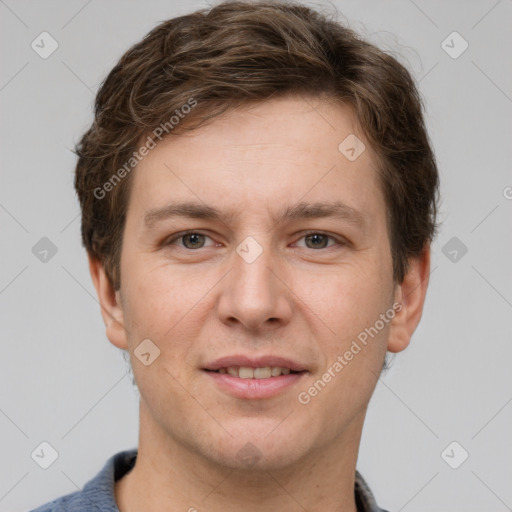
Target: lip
253,389
255,362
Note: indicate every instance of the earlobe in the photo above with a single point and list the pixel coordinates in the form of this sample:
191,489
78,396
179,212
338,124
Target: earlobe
411,295
111,307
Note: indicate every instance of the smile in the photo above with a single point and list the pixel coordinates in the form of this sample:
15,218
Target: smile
253,383
246,372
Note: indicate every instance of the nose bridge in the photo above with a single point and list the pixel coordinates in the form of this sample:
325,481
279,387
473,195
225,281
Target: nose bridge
253,295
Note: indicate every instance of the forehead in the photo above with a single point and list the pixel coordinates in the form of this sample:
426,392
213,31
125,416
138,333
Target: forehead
264,155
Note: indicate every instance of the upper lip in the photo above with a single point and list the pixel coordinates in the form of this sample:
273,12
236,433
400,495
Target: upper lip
255,362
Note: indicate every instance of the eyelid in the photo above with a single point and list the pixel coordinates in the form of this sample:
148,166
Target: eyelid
338,238
177,236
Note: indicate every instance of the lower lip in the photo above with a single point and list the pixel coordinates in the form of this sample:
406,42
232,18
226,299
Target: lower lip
254,388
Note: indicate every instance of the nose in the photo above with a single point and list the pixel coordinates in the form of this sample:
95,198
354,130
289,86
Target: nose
255,293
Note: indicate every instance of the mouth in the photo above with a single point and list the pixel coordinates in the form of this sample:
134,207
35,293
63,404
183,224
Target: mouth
247,372
254,378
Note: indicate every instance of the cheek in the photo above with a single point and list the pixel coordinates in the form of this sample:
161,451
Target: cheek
354,354
156,297
166,305
349,299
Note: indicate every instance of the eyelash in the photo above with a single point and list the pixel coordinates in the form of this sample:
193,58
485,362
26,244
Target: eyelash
339,241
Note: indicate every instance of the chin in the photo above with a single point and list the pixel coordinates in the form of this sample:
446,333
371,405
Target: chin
258,447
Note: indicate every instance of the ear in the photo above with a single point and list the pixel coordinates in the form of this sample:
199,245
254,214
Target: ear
110,302
411,295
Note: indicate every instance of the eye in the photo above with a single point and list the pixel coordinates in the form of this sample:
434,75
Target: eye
191,240
195,240
319,240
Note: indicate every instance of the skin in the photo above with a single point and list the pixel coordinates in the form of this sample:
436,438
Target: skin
301,298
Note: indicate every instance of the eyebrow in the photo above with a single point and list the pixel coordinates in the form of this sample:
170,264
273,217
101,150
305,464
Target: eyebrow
301,210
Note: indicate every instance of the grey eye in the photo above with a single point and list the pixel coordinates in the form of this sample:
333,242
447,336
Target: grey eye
318,240
196,240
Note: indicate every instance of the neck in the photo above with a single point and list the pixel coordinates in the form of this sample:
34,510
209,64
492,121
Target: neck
170,476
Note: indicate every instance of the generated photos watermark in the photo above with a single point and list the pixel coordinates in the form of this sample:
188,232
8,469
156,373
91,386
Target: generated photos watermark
137,156
343,360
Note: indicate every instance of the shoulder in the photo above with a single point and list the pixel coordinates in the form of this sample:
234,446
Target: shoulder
365,500
70,502
98,493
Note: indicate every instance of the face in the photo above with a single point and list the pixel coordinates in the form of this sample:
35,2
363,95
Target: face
280,259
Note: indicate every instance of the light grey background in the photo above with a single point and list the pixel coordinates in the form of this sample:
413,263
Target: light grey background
63,383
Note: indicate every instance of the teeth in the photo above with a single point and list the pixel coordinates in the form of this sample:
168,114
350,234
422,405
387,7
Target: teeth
262,373
276,371
245,372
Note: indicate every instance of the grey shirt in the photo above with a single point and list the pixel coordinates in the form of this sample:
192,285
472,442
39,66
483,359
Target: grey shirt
98,493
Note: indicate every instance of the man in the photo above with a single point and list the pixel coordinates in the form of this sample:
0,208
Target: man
258,199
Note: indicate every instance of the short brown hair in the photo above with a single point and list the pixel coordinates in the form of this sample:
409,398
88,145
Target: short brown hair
240,52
